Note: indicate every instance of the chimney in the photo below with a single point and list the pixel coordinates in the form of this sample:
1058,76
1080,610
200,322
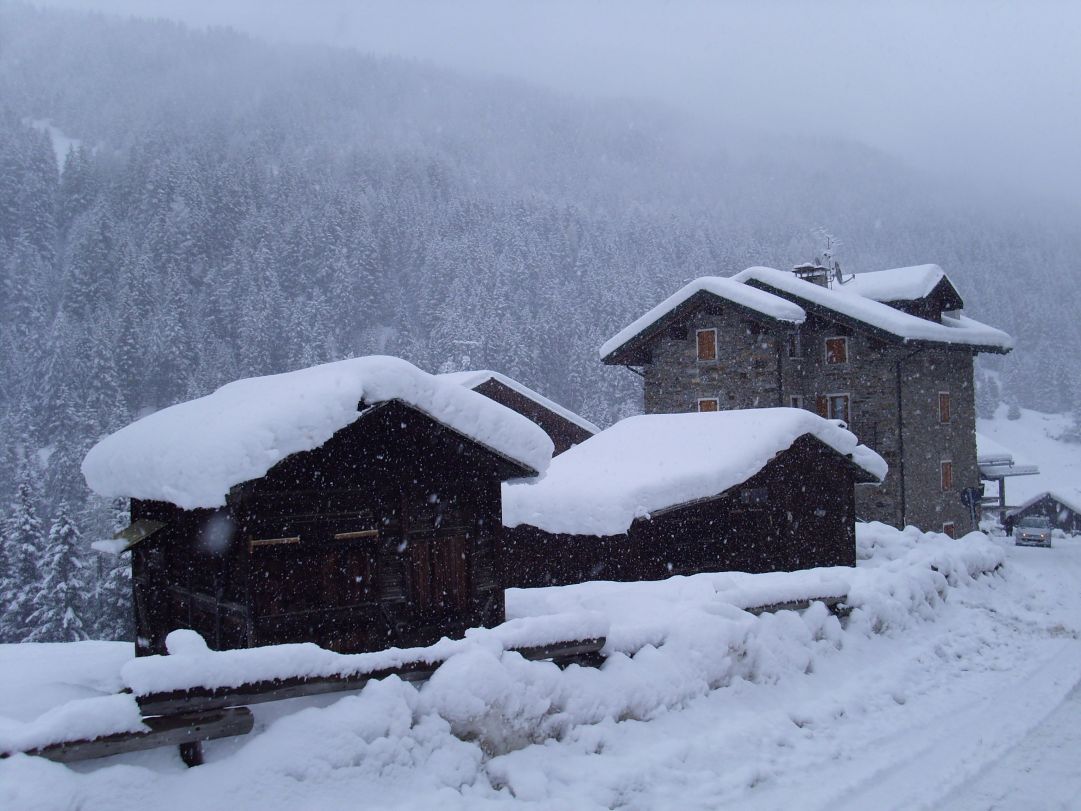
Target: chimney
813,272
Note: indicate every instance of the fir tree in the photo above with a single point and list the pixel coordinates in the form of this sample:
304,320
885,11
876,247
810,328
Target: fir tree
59,607
23,544
114,612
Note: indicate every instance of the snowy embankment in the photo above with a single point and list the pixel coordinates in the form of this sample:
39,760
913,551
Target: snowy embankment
1035,438
490,726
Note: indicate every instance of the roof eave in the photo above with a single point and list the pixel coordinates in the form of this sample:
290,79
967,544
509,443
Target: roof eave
822,311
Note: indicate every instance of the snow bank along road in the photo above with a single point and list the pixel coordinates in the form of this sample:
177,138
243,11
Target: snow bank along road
941,691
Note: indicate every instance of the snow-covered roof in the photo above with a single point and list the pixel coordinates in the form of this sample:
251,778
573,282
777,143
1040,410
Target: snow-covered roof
989,452
952,330
749,297
1072,502
472,379
648,463
896,284
192,453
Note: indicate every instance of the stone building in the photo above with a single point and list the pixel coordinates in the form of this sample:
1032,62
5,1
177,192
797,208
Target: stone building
887,352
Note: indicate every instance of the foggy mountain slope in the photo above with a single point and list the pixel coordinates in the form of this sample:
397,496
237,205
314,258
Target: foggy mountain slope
246,208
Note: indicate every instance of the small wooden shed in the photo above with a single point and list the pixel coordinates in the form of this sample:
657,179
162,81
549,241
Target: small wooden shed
663,494
1064,513
565,428
355,505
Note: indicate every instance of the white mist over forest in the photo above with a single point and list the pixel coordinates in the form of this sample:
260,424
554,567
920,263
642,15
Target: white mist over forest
983,93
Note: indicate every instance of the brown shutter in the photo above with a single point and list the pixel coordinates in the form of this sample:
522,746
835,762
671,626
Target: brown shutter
947,475
708,404
707,344
944,406
822,405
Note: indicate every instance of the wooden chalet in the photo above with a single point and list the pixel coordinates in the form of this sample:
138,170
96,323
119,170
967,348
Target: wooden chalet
1063,513
355,505
565,428
658,495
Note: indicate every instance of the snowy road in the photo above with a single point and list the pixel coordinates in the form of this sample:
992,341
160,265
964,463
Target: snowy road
927,719
976,706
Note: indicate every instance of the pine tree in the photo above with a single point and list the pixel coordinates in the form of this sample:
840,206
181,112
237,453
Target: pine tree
114,620
23,544
59,608
988,396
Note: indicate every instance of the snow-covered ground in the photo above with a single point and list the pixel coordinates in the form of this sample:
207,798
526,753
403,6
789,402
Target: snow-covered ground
1033,439
941,691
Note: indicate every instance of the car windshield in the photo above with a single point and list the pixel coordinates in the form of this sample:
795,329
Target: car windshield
1035,523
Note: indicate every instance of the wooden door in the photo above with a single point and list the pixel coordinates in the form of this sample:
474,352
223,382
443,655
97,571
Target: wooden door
440,572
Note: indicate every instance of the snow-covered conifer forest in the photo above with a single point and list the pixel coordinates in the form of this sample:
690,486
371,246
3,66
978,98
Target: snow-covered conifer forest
184,206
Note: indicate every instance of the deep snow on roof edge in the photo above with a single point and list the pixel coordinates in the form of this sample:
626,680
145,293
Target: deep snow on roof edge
651,462
896,284
192,453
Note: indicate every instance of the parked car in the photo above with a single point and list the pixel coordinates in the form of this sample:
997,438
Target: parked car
1033,530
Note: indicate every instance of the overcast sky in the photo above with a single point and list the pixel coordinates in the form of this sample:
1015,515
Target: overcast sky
984,89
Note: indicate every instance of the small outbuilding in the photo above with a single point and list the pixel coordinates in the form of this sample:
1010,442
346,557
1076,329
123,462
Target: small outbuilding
1063,512
355,505
565,428
661,494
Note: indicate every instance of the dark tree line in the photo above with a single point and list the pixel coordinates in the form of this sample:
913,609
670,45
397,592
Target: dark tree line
237,209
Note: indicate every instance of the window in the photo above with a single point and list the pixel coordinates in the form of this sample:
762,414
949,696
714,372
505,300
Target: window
836,350
947,475
795,401
707,344
795,347
708,404
943,406
833,406
949,528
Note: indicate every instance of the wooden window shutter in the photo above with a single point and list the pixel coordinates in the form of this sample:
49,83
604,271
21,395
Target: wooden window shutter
822,405
943,406
947,475
707,344
836,350
708,404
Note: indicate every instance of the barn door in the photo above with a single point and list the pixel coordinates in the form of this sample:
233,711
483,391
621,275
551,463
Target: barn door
440,572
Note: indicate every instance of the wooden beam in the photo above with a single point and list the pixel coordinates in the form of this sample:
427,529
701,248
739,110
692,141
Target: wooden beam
834,604
175,730
207,699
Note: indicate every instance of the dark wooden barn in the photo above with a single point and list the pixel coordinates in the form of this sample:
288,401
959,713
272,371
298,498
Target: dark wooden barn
659,495
1063,513
384,534
565,428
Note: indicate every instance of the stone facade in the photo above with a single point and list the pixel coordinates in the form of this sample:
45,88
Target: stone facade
745,373
892,390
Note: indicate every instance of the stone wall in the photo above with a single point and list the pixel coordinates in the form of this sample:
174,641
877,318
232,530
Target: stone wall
744,375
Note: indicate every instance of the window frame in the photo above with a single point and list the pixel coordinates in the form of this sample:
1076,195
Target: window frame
945,415
945,473
847,419
826,350
794,345
698,345
795,401
949,528
715,400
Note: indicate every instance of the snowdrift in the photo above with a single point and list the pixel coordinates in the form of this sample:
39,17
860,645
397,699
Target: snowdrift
669,642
